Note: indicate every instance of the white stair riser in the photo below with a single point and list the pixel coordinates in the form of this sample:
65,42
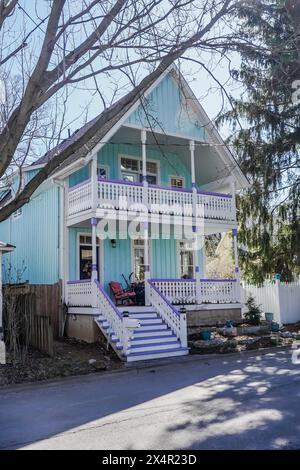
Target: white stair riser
162,327
147,321
136,309
147,357
153,340
143,316
164,332
158,347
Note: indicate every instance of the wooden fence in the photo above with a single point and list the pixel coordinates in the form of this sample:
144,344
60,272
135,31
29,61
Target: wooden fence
41,334
280,298
48,302
23,327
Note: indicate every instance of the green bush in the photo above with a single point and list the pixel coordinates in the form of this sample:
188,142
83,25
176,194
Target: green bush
253,314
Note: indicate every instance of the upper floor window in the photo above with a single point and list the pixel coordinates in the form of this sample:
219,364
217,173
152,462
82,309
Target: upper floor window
177,182
18,213
131,170
103,171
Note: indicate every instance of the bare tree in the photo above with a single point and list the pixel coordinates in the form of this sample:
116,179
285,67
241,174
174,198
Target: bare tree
67,42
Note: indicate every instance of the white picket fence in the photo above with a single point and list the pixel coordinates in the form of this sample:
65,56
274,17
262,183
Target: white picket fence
280,298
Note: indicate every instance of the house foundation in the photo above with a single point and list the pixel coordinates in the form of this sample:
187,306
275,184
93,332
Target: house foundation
84,328
197,319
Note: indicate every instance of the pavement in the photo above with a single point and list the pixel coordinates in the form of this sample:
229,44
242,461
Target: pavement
248,401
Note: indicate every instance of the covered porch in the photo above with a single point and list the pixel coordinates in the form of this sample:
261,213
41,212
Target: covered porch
168,264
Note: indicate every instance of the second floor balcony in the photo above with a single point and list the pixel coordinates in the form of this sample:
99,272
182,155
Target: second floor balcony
134,197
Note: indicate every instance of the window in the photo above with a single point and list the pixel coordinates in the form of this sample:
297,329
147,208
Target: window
86,240
86,256
176,182
138,259
186,259
18,213
131,170
103,171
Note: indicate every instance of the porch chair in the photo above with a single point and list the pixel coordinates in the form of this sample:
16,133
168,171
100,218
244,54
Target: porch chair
122,295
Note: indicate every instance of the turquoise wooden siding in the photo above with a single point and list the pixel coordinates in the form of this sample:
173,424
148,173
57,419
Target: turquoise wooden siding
79,176
118,260
36,237
169,163
169,111
164,259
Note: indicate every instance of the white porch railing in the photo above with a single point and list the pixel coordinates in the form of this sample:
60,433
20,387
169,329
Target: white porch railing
177,291
79,293
119,194
112,315
173,318
219,291
79,198
170,201
211,291
161,200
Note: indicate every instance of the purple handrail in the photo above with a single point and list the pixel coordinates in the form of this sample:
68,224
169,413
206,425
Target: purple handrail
108,299
150,281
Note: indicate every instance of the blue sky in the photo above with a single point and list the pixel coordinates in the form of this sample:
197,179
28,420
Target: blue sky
81,101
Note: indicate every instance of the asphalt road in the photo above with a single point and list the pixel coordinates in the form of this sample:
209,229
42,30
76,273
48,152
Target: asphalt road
238,402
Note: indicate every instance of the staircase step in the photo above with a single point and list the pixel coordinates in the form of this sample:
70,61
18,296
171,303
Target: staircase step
152,327
145,331
143,315
153,339
154,346
150,321
147,355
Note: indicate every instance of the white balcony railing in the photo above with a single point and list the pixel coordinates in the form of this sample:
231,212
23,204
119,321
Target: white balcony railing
161,200
211,291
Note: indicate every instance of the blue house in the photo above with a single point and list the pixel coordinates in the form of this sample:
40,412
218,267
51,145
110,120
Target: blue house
139,203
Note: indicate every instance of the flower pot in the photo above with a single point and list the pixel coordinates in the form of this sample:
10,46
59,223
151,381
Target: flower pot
205,335
269,316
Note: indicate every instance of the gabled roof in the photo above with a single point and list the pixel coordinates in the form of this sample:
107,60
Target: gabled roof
110,127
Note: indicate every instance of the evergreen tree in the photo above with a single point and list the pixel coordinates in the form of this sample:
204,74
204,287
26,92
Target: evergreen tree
268,146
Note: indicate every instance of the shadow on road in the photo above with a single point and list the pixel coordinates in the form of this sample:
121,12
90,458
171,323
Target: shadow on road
222,403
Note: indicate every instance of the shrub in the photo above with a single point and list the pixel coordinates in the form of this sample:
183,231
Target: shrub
253,314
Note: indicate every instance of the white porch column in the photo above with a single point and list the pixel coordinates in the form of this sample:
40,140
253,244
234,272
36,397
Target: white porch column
1,299
145,223
195,223
66,249
233,191
94,276
94,182
236,263
144,167
94,222
193,177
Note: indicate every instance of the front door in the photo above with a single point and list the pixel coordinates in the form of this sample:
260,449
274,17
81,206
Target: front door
85,261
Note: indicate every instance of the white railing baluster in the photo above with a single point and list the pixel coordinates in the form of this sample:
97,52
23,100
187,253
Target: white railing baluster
172,317
124,195
212,291
79,293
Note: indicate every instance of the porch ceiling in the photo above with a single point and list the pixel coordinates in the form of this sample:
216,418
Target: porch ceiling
209,165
